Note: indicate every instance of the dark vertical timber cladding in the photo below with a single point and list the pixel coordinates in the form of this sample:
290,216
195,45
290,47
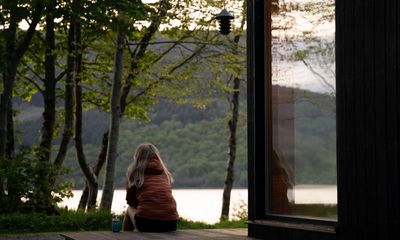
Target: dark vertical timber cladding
368,97
366,149
346,164
346,157
396,219
267,89
368,115
279,233
341,105
260,94
381,78
256,120
358,98
395,214
392,200
250,112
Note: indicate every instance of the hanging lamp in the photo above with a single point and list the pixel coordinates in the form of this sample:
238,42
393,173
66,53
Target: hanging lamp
224,18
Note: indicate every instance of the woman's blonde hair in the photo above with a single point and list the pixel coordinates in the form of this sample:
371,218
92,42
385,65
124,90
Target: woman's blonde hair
143,154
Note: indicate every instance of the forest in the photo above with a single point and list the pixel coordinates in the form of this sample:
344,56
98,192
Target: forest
193,142
84,82
80,79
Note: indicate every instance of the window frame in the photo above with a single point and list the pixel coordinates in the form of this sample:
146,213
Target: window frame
259,130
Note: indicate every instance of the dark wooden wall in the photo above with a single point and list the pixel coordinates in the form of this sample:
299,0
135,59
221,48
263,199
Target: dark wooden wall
368,118
368,122
255,107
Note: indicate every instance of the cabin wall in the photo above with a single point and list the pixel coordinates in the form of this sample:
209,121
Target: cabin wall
368,122
368,118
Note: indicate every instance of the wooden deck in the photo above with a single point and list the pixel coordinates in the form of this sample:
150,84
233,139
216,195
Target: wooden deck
231,234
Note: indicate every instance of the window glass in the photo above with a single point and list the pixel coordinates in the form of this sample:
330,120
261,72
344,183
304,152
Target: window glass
303,162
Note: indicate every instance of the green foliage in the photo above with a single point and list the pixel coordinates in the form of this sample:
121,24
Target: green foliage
301,55
22,173
193,160
18,172
65,221
2,55
315,139
84,221
193,142
187,224
325,211
240,211
21,10
194,150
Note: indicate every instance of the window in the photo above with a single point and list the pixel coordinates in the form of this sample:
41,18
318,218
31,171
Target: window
302,157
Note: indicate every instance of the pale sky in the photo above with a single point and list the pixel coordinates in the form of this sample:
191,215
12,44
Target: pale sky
210,12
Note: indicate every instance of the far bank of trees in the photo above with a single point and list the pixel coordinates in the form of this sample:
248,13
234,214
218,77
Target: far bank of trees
83,64
78,55
194,142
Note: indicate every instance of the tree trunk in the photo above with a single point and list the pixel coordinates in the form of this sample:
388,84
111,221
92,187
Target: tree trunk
13,56
10,149
232,149
8,80
13,195
115,109
136,56
68,104
97,168
49,93
14,53
232,124
6,98
91,179
42,184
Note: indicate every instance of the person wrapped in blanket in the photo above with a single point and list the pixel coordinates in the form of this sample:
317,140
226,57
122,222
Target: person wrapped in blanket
151,206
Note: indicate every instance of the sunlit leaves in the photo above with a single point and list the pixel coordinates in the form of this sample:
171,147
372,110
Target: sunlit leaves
25,91
192,69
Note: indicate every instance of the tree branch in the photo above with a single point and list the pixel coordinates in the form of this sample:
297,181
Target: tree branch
61,75
168,50
33,71
188,59
176,41
172,70
30,81
38,59
24,45
323,80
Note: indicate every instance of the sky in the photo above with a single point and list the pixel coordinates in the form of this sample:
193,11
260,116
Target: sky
305,26
198,13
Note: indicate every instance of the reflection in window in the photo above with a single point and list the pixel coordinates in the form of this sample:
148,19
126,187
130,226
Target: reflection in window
303,161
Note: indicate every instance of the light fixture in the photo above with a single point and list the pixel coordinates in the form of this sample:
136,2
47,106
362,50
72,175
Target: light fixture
224,18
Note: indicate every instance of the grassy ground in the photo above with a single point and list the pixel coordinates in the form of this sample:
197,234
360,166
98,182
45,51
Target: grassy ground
81,221
324,211
101,221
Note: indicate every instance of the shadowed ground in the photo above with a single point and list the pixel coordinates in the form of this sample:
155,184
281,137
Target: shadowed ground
231,234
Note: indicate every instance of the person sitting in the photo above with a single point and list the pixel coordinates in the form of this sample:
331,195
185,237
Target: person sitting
151,206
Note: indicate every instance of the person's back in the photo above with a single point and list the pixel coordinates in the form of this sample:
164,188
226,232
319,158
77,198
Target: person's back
152,208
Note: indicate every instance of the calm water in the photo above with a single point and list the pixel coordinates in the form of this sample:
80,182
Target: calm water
205,204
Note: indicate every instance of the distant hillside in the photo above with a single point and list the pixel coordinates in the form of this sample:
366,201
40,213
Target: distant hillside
193,142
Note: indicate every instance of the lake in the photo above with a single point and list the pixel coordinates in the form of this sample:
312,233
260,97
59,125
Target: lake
205,204
194,204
